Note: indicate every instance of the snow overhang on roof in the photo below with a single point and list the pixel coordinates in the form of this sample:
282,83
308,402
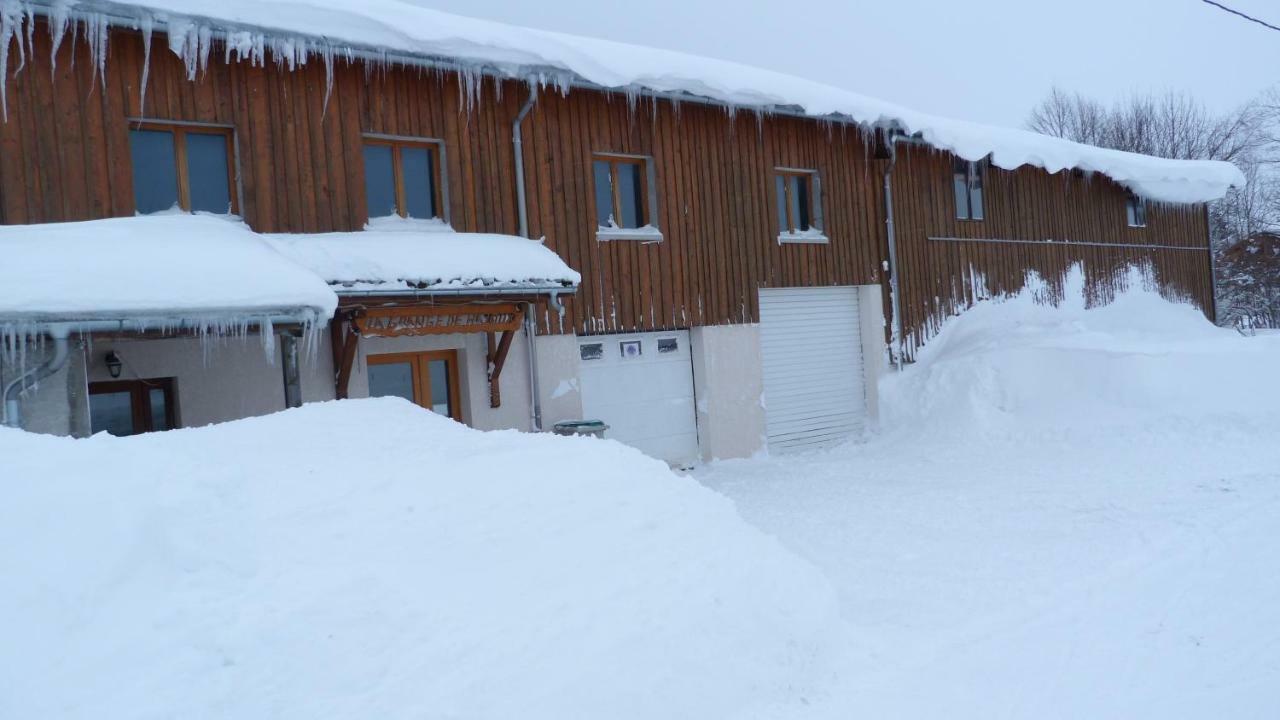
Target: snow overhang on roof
391,31
427,256
166,271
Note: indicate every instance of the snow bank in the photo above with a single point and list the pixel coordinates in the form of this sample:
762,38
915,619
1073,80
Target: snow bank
166,266
297,30
365,559
1017,367
425,255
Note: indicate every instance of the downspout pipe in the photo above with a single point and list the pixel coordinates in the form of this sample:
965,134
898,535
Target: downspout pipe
61,345
522,210
895,269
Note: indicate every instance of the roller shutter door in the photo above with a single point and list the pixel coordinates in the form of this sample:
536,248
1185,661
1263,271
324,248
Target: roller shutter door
813,377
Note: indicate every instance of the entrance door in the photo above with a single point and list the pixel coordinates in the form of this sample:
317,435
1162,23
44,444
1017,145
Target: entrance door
641,386
429,379
129,407
811,346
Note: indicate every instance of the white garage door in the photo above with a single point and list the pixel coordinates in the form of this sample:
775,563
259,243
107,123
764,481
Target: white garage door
812,354
642,387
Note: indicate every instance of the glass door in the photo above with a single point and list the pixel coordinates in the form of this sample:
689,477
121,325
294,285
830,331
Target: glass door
429,379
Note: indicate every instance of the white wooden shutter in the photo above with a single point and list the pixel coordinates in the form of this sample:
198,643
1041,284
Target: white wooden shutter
813,378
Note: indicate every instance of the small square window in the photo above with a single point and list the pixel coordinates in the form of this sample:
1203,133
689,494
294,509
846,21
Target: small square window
630,349
624,196
967,180
591,351
668,345
403,177
176,166
799,201
1135,211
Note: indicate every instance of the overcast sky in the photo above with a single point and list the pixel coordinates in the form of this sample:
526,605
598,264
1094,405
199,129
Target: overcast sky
985,60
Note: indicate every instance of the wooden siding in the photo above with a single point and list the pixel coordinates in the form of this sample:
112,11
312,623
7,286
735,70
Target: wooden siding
64,156
941,277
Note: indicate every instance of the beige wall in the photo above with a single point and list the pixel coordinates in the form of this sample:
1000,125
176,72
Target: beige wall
728,381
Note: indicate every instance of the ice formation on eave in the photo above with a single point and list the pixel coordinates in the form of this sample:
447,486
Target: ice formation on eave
393,32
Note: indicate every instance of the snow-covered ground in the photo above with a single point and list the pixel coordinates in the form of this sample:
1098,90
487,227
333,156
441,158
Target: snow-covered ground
1069,514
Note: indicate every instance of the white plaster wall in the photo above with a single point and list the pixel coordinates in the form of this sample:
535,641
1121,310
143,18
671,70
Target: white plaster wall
728,383
871,321
217,379
558,388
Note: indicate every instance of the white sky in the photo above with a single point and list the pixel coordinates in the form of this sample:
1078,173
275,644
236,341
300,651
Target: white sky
985,60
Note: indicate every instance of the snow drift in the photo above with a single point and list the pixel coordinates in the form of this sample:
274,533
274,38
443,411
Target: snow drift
1020,366
392,31
365,559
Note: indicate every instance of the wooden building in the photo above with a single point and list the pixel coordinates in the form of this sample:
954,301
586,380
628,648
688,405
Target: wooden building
726,253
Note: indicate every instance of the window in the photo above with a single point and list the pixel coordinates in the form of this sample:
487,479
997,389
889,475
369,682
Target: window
402,177
129,407
968,186
799,204
1136,211
189,167
429,379
624,194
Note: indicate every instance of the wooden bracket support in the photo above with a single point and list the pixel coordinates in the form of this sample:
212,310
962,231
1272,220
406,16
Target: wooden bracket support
346,340
497,356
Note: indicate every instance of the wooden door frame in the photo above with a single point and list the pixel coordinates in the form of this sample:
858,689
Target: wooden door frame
140,400
420,362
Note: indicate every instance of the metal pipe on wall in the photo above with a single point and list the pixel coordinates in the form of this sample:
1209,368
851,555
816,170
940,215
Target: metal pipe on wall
895,269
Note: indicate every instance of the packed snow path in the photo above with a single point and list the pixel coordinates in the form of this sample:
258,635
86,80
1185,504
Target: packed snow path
1071,514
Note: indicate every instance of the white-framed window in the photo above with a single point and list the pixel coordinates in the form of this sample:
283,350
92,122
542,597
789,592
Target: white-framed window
798,199
967,181
626,197
1135,209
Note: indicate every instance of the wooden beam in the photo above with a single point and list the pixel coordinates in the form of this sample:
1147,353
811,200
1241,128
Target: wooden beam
346,339
497,358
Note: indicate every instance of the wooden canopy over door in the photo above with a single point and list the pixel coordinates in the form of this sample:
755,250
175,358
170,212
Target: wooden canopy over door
498,321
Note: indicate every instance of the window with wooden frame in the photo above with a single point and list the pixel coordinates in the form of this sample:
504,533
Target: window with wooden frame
188,167
130,407
429,379
967,181
798,199
1135,211
625,197
403,177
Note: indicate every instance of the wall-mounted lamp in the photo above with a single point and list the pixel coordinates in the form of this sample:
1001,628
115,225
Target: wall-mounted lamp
114,364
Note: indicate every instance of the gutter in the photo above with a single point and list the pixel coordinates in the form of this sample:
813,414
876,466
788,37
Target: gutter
521,204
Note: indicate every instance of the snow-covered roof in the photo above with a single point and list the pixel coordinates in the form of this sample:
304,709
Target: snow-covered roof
213,271
160,268
295,30
395,254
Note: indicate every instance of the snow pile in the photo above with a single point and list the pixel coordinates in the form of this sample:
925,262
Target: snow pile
364,559
1018,367
393,253
393,31
166,267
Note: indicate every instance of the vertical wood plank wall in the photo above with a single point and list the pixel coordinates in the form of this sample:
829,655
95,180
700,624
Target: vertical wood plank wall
64,156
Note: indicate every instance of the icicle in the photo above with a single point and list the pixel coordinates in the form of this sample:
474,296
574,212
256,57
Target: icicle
59,19
146,25
205,38
10,26
96,28
326,54
184,41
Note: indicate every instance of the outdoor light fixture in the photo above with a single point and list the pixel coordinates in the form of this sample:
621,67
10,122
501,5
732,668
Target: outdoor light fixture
114,364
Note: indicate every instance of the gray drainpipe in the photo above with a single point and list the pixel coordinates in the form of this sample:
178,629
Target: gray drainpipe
530,323
12,413
894,269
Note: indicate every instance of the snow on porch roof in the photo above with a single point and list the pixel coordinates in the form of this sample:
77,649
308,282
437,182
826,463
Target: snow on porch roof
154,270
292,31
425,255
